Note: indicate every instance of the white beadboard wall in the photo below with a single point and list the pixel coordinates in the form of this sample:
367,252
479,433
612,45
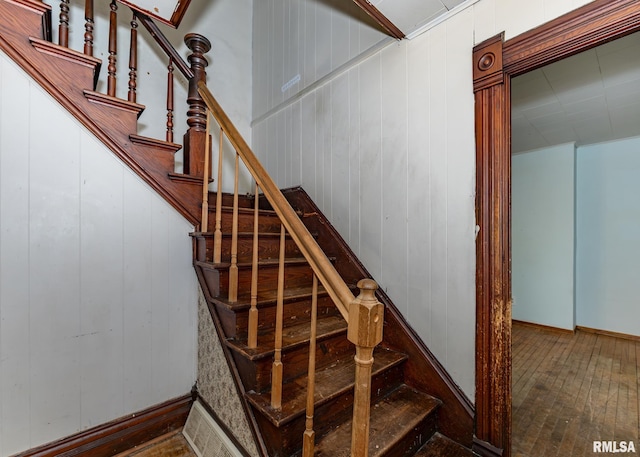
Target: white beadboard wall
98,300
385,146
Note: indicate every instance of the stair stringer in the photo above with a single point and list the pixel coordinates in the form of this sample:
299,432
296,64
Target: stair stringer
23,24
422,369
248,411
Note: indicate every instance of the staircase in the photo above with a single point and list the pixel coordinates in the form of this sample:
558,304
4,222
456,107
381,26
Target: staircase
404,418
268,278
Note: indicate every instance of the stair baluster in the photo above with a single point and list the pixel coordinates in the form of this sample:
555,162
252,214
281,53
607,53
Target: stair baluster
252,339
308,439
133,59
204,223
277,369
233,269
63,28
113,49
88,27
170,107
217,235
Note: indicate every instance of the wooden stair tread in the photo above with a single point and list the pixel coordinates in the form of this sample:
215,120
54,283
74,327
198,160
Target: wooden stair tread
441,446
269,297
331,381
399,412
293,336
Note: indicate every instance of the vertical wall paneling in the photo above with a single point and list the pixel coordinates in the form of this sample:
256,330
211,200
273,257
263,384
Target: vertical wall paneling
324,37
54,267
14,254
370,166
394,183
138,304
324,158
101,314
438,146
416,96
158,228
340,38
296,144
340,164
353,211
418,196
310,69
460,196
308,149
77,269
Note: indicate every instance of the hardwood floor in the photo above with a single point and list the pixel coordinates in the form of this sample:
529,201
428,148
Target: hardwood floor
571,389
170,445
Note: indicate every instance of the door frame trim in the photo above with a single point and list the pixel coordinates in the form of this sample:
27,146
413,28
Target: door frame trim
495,62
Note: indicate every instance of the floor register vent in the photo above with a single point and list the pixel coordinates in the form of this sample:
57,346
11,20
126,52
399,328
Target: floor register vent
206,437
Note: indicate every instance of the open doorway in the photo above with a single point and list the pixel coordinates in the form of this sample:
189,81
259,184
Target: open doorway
495,63
575,243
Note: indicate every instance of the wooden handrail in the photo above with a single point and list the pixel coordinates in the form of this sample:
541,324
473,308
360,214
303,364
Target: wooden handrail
166,46
339,292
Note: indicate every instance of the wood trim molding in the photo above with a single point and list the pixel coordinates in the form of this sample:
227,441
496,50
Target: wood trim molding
624,336
593,24
381,19
582,29
546,328
493,279
485,449
121,434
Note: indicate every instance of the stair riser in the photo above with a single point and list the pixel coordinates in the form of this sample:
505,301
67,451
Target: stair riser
236,323
268,248
287,439
256,375
267,223
296,276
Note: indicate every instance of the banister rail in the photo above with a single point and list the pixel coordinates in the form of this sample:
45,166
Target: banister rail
339,292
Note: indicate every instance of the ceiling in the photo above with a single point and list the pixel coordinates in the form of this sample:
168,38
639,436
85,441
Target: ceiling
588,98
410,15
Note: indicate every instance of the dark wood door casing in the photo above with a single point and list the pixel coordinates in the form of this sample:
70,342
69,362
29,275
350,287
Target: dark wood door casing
495,62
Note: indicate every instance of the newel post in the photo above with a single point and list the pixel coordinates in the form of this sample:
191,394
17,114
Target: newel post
195,138
366,318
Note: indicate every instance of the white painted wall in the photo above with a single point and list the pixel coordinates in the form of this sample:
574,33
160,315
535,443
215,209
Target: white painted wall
608,238
543,236
385,146
98,299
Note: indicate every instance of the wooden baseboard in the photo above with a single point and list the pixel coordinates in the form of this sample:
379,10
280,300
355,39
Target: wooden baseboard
624,336
485,449
542,327
121,434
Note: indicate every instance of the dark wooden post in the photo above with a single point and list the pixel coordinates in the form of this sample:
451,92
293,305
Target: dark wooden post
133,60
88,27
493,250
63,28
195,138
113,49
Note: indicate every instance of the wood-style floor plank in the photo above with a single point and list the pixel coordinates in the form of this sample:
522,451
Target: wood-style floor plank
171,445
571,389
